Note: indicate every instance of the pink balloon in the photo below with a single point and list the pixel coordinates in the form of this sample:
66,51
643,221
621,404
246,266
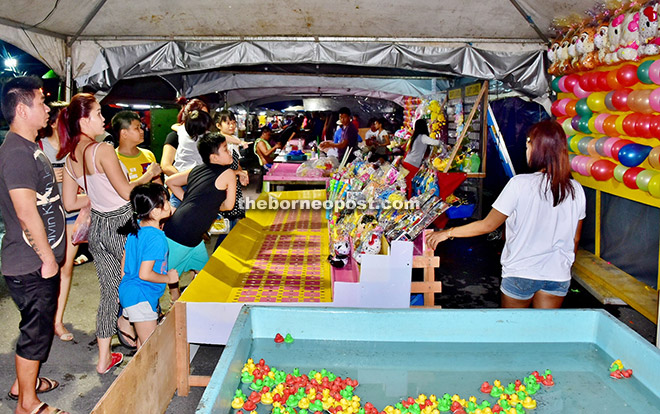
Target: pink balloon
654,72
578,91
574,163
582,165
600,119
607,146
562,84
654,99
561,106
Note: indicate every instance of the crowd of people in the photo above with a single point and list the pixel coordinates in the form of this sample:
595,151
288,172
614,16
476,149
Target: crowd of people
149,221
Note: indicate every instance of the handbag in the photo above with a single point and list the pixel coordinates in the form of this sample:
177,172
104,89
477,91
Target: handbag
83,222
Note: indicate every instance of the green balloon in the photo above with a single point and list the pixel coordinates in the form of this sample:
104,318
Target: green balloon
643,72
619,170
584,125
555,84
643,179
582,108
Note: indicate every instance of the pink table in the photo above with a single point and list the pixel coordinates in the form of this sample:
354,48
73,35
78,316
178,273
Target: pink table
285,173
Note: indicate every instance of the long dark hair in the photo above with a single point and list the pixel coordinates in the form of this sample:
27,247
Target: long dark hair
198,123
68,127
550,155
55,108
421,128
144,198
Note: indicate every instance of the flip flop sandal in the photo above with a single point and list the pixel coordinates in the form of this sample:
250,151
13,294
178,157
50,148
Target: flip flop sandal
43,409
117,358
52,384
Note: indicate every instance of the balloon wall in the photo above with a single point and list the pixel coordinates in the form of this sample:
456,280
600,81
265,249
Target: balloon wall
611,117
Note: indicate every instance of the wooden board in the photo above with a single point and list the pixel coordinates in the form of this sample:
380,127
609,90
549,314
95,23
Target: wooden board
637,294
148,382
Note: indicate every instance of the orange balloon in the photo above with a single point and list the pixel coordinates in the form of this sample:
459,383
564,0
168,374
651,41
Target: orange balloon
654,158
638,101
609,126
570,108
612,81
591,148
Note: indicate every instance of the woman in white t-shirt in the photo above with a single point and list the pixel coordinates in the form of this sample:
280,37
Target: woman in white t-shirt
543,212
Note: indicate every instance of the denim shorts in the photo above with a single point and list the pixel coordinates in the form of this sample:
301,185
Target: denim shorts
524,289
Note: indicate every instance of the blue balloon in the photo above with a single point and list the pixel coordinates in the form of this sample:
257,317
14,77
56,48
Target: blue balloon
632,155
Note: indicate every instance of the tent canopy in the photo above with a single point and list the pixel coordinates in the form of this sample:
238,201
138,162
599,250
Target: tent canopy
108,41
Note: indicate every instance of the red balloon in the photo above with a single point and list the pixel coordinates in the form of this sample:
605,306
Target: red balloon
643,126
592,81
570,81
609,126
603,170
612,80
602,81
655,126
616,147
627,75
630,177
584,82
620,99
629,123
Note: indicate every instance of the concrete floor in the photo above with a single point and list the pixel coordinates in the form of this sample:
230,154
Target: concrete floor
469,271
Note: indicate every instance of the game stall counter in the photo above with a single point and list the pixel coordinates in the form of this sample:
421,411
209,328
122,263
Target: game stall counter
272,257
380,360
294,174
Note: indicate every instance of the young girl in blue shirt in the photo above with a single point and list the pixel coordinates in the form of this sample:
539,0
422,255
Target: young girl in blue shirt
145,259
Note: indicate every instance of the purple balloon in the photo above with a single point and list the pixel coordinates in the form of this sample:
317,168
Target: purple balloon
575,123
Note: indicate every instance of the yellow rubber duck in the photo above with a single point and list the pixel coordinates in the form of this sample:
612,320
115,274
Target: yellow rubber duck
267,398
513,399
303,403
497,383
237,403
529,403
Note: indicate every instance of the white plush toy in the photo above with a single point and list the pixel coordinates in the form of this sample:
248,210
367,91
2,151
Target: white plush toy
649,42
342,251
371,245
614,37
629,37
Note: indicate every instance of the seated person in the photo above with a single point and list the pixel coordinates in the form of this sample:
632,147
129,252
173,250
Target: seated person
263,149
378,139
127,127
211,187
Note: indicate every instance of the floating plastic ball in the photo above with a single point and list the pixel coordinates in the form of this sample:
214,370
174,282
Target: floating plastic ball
619,171
632,155
643,72
603,170
643,178
627,75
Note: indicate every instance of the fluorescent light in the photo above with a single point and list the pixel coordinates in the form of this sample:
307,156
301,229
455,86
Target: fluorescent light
141,106
11,62
123,105
262,113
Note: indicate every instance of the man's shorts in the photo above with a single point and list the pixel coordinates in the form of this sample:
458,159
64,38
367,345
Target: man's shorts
184,258
36,299
524,289
141,312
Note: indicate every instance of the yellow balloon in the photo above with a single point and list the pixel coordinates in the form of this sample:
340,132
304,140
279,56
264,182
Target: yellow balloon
618,124
654,186
596,101
574,141
592,124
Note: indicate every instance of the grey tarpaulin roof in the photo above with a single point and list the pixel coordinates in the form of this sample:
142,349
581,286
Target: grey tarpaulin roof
113,40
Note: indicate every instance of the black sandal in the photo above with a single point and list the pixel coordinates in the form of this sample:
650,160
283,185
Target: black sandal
124,338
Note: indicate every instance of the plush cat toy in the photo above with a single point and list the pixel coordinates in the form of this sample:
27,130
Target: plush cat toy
370,245
649,42
342,251
614,37
629,37
586,49
563,57
601,42
552,57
